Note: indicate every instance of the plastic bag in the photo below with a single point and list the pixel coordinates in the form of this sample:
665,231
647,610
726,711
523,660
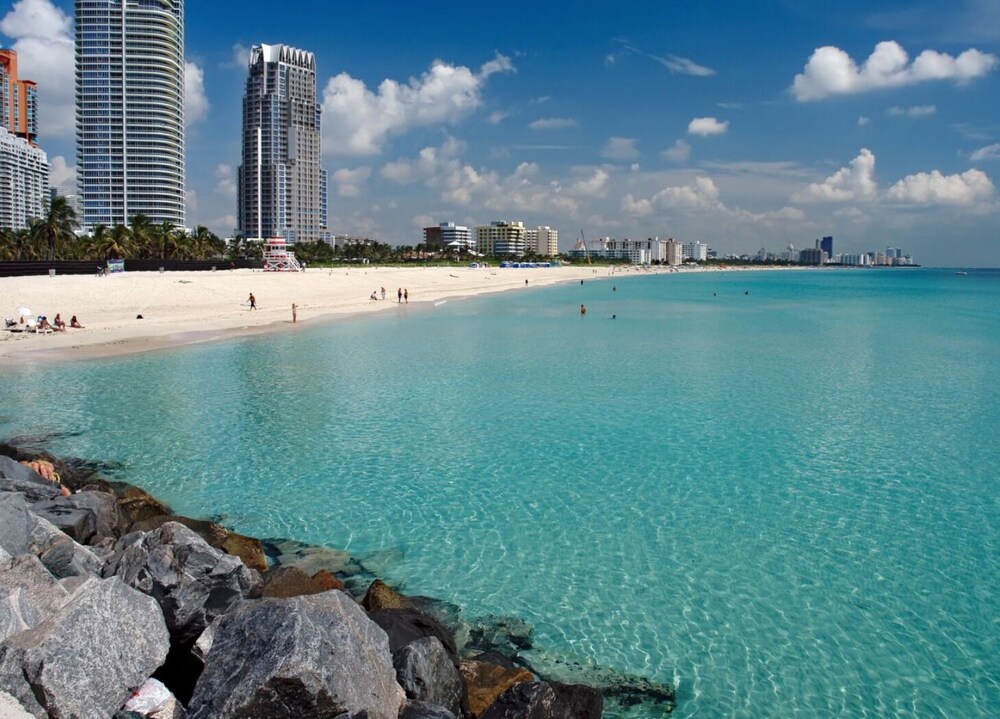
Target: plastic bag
151,697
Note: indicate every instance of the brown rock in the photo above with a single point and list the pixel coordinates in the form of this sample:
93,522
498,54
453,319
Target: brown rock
137,506
484,682
327,581
285,582
249,549
381,596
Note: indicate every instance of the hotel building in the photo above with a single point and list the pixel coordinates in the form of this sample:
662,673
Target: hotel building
543,241
282,185
130,110
448,236
501,239
24,167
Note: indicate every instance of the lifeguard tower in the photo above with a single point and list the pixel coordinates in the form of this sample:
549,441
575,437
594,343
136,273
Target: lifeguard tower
278,258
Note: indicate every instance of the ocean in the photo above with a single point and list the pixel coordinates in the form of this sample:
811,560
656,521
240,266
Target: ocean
778,490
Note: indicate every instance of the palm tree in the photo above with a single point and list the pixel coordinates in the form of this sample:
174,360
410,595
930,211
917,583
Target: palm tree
116,244
56,228
144,238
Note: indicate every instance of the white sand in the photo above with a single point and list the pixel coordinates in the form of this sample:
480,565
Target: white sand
187,307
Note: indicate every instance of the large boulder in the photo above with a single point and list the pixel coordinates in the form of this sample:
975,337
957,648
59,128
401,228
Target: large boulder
407,625
84,660
23,532
137,505
547,700
484,682
250,550
425,710
87,517
315,656
16,477
427,673
192,582
381,596
28,594
284,582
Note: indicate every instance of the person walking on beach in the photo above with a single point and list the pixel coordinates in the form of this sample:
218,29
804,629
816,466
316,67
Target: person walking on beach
253,301
399,295
383,293
295,316
406,295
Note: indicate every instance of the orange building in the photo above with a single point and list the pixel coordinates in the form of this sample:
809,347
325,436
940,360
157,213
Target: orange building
19,100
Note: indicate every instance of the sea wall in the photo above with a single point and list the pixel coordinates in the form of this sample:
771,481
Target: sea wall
110,602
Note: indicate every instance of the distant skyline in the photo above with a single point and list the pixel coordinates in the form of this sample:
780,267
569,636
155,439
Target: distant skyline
738,124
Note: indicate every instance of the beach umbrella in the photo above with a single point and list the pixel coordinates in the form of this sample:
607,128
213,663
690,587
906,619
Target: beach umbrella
24,312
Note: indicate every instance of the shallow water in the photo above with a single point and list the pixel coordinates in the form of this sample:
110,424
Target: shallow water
784,501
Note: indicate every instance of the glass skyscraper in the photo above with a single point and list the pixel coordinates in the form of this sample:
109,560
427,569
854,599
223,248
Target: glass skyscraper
130,110
282,185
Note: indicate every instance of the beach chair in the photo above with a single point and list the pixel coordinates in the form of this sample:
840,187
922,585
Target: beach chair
32,325
10,324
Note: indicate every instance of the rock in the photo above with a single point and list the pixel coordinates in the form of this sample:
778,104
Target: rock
248,549
16,477
84,660
407,625
310,559
485,682
327,581
507,635
203,645
381,596
10,708
425,710
28,594
313,656
427,673
22,532
192,582
78,523
289,582
546,700
137,505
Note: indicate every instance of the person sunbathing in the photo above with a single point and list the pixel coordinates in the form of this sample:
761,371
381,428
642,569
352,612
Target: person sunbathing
73,322
43,323
58,323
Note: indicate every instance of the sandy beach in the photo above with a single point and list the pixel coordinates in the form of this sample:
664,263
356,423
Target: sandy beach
180,308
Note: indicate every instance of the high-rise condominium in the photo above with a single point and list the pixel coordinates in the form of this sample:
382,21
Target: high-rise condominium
130,110
24,167
282,186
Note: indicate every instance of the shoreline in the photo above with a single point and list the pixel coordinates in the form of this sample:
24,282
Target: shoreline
188,307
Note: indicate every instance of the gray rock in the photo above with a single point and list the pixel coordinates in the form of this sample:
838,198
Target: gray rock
28,594
192,582
84,661
87,517
15,477
310,656
22,532
427,673
425,710
546,700
204,643
407,625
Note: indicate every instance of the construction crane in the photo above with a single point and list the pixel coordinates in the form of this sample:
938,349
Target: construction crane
586,252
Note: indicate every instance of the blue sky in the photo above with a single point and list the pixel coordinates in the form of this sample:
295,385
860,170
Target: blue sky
740,124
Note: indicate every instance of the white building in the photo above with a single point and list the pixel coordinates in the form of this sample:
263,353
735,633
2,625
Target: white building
447,236
674,253
130,110
501,238
24,181
695,251
543,241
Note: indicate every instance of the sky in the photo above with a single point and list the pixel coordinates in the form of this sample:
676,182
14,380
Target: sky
741,124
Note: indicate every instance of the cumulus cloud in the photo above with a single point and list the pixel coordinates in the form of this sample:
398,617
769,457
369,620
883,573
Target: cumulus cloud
358,121
594,186
61,174
701,195
422,221
831,71
636,208
225,184
195,99
853,183
43,38
553,123
990,152
679,152
705,126
620,148
349,182
913,112
933,188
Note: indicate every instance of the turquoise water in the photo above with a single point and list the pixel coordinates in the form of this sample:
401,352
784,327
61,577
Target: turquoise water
786,501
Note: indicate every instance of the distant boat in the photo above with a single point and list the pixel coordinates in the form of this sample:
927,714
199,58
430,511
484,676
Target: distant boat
961,273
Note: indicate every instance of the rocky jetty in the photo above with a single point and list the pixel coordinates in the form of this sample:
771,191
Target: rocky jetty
110,602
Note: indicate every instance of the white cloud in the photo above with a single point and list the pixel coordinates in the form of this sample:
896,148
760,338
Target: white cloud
683,66
707,126
225,185
43,39
240,57
357,121
679,152
862,121
195,99
594,186
422,221
553,123
620,148
933,188
990,152
701,195
61,174
349,182
191,200
913,112
636,208
854,183
831,71
224,224
498,116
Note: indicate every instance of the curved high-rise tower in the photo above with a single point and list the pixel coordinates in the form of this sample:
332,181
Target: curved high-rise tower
130,110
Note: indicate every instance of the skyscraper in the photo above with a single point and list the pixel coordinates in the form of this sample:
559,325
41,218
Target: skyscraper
130,110
282,185
19,114
826,244
24,167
